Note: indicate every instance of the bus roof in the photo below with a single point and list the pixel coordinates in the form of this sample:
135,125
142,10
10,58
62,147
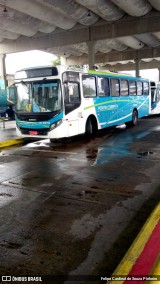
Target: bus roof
50,70
114,74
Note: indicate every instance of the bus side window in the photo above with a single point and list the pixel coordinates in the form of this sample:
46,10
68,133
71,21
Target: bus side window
103,87
132,88
89,86
124,87
74,96
71,96
115,87
66,93
71,93
145,88
139,88
158,92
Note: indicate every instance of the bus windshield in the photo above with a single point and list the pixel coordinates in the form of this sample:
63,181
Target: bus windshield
39,96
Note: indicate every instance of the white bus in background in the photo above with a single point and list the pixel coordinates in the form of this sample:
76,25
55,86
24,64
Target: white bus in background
155,97
57,102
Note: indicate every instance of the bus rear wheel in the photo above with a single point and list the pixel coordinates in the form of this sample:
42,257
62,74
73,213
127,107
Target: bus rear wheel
134,120
91,127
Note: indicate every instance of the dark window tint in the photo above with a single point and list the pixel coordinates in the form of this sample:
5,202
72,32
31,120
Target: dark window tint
38,72
89,86
124,88
114,87
132,88
139,88
103,87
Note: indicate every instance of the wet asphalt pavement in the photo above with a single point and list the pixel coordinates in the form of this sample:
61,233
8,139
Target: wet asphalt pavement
70,210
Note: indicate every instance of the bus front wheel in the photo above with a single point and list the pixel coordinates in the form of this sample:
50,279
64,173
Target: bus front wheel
91,127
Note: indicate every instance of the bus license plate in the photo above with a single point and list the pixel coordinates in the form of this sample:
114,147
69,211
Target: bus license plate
33,132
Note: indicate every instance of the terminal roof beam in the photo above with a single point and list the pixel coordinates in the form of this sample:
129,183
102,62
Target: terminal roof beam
128,54
131,66
129,26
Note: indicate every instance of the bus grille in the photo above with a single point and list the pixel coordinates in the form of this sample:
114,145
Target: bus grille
39,131
36,117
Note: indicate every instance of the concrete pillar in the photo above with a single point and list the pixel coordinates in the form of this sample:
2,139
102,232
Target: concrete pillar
91,54
137,64
3,81
159,74
63,60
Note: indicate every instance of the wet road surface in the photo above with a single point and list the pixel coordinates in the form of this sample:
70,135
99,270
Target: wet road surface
73,208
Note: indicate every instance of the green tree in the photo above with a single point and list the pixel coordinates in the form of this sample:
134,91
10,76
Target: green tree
57,61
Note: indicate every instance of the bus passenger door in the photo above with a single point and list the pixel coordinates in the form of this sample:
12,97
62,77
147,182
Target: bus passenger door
114,103
125,105
158,97
71,103
103,110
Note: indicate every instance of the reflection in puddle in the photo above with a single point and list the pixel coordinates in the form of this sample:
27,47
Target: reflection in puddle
116,148
107,154
86,226
91,153
41,143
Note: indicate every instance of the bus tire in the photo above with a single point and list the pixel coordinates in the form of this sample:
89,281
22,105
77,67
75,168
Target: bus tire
134,117
91,127
134,120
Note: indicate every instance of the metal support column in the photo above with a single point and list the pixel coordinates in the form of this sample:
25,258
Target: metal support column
159,74
137,65
91,54
63,60
4,82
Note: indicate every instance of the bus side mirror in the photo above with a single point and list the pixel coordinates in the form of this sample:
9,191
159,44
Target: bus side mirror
11,94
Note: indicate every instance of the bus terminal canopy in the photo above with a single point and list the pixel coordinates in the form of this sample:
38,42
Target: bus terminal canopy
112,30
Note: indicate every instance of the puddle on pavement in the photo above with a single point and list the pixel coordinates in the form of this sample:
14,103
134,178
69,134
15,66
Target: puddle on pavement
86,226
145,153
115,148
42,144
91,153
156,128
104,155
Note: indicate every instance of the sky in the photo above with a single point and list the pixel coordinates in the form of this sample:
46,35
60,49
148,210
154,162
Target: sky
151,74
17,61
20,60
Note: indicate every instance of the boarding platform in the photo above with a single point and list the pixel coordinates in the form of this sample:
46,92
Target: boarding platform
8,135
141,264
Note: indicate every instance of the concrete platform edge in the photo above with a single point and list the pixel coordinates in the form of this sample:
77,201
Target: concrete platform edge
11,142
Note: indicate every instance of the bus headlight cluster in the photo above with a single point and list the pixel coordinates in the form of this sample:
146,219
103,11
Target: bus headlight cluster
17,125
56,124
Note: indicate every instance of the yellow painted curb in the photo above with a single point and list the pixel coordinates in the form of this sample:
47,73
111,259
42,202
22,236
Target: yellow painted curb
11,142
137,247
156,268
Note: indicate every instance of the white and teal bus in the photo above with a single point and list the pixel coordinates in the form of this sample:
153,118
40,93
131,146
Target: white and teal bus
155,97
57,102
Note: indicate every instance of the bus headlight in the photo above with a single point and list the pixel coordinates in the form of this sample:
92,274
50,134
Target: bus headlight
56,124
17,126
